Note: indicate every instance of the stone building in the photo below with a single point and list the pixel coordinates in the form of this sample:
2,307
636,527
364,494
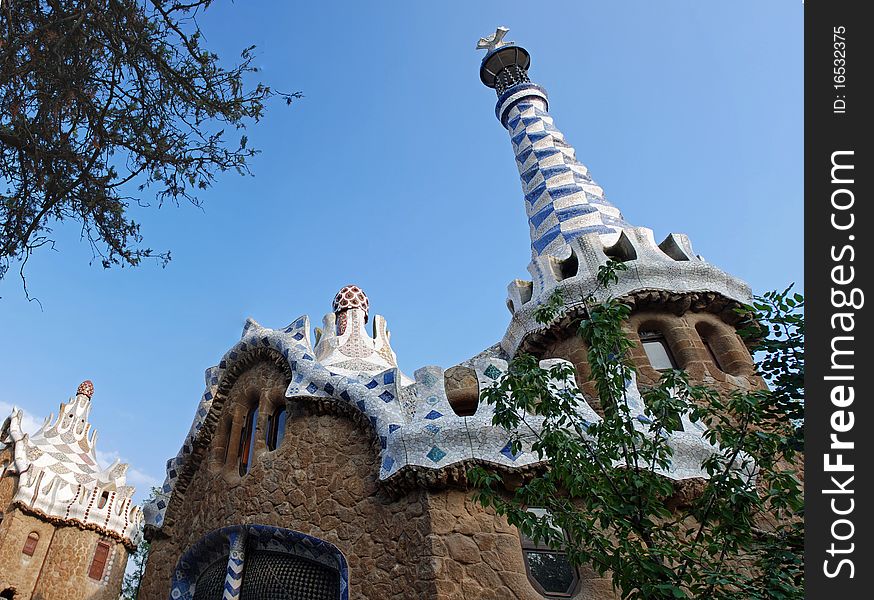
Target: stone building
66,524
316,469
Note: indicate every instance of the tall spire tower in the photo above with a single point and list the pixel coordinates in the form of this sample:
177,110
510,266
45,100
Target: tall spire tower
574,228
561,199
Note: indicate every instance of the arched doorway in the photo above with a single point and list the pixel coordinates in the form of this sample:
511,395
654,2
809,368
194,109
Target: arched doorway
259,562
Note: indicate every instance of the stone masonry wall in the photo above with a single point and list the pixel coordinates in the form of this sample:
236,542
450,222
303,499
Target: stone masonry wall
321,481
685,336
474,554
65,574
58,569
17,570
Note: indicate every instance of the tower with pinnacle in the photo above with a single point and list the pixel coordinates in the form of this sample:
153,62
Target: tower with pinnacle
313,458
66,523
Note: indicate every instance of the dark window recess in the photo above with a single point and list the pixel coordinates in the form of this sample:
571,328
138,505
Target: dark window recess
30,544
711,353
104,498
228,426
549,571
276,428
657,350
247,441
98,563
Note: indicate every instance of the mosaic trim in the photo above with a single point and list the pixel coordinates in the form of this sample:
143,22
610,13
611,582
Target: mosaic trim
60,478
414,424
561,199
670,266
232,543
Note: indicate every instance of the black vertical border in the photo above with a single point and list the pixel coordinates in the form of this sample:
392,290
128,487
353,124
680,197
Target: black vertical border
827,132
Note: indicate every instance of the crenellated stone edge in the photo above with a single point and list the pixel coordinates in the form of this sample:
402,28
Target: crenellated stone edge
670,267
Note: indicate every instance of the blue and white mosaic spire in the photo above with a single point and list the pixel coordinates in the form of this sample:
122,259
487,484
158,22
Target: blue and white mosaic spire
561,199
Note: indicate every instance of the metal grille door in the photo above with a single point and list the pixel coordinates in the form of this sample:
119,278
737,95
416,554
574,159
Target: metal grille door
278,576
211,583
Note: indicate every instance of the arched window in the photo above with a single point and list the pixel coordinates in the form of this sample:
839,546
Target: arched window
707,333
657,350
247,441
712,354
104,498
276,428
549,571
98,563
30,543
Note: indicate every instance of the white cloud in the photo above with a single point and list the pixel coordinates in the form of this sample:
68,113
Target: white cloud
136,477
28,422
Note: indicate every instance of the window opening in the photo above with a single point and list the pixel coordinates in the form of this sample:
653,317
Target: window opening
30,544
657,350
98,563
712,354
247,441
549,570
276,428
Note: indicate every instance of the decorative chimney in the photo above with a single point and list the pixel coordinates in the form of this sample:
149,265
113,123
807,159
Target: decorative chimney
344,346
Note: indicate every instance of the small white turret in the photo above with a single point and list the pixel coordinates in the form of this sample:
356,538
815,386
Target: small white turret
344,346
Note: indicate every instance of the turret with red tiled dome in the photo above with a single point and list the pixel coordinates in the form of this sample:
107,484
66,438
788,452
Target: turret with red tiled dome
351,296
344,346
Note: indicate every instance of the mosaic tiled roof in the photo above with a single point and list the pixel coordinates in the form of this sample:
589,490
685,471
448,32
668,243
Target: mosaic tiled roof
60,476
413,420
574,231
562,200
574,228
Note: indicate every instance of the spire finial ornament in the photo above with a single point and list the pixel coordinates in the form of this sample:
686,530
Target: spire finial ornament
494,41
86,388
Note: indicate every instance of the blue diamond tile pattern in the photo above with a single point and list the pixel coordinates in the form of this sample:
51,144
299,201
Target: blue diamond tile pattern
387,463
435,454
492,372
433,415
507,451
561,199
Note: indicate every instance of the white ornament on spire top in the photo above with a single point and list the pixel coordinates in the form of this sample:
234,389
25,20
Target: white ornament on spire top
494,41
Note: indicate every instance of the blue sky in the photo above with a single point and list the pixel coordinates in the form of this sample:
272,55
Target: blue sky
393,173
